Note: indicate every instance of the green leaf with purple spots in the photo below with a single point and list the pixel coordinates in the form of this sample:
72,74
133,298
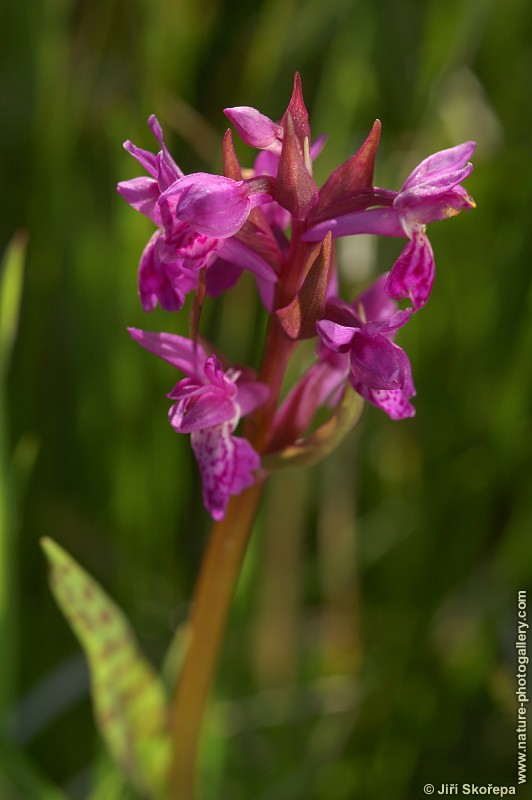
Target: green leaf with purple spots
129,700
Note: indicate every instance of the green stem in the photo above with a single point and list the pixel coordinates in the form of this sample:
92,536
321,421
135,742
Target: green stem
221,564
212,599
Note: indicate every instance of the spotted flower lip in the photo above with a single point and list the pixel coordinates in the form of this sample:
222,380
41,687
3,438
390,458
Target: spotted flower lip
209,403
431,192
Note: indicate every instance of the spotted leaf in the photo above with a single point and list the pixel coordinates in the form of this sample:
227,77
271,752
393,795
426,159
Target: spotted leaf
129,699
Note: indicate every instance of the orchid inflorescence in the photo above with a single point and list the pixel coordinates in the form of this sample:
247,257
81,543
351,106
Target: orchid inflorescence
274,222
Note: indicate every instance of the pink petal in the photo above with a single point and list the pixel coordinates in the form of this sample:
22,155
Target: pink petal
255,128
251,394
221,276
246,461
212,204
378,363
394,402
226,464
428,208
431,189
412,275
336,337
186,355
382,221
142,195
207,407
180,241
240,255
442,162
163,282
144,157
377,305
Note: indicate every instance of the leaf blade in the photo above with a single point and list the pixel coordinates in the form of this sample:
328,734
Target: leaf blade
129,699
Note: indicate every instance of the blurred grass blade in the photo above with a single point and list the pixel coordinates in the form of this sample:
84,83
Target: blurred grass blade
19,780
129,699
11,270
11,273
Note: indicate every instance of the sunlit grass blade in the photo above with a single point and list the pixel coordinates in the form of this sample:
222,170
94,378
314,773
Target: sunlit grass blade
11,274
129,700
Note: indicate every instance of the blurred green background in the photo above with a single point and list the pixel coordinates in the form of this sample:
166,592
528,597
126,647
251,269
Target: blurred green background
371,645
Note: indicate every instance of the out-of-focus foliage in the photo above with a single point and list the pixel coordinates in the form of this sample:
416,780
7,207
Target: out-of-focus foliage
371,646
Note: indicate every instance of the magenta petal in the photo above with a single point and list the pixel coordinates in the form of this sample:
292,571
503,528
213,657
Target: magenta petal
318,145
395,402
378,363
431,189
207,407
391,325
186,355
225,463
412,275
251,395
336,337
142,195
266,290
211,204
246,461
144,157
163,282
382,221
167,170
214,451
425,209
214,372
183,242
240,255
377,305
221,276
255,128
266,163
442,162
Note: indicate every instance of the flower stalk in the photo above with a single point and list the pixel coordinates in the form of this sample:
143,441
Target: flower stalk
210,609
274,221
